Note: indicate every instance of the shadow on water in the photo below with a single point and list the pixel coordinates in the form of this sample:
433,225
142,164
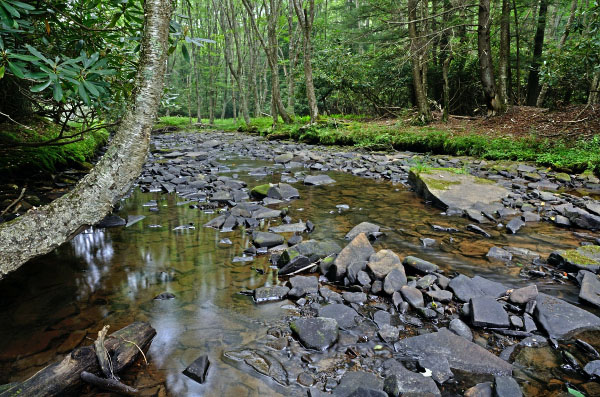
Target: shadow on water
110,276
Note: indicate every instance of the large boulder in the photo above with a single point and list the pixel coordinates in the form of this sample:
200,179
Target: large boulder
344,315
461,354
359,249
466,288
451,188
316,333
559,318
383,262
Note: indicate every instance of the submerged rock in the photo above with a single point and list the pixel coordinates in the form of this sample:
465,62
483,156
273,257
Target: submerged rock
265,239
270,294
317,333
111,221
261,362
198,369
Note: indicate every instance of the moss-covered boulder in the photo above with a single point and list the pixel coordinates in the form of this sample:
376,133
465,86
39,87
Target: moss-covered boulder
582,258
453,188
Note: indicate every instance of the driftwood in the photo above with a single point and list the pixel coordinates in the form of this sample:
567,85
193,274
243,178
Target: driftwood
65,376
111,385
102,354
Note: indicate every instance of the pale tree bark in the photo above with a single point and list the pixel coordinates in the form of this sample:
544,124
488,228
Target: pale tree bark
446,52
41,230
504,53
544,91
305,19
518,51
486,69
416,57
292,58
594,96
533,82
271,50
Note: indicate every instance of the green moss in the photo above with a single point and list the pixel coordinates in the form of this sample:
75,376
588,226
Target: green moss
577,257
260,191
484,181
561,176
590,249
438,184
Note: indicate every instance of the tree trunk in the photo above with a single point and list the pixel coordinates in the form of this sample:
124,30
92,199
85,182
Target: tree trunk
293,59
518,44
306,18
416,57
504,53
41,230
561,43
486,69
594,96
271,50
64,377
533,81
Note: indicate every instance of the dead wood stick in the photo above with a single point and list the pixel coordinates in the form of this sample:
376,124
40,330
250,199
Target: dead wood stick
14,202
64,377
102,354
111,385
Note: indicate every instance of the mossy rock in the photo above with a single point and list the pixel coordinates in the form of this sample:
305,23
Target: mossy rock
582,258
563,177
260,191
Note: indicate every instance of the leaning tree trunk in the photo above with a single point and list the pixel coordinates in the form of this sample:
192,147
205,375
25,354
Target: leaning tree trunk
41,230
486,69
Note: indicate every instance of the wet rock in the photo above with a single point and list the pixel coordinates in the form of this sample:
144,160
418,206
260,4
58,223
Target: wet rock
426,281
488,312
266,239
439,367
394,281
428,242
283,191
403,382
355,297
367,392
459,352
475,215
111,221
344,315
302,285
582,218
312,249
270,294
164,296
198,369
365,227
450,188
284,158
590,288
592,368
316,333
318,180
480,390
359,249
478,230
133,219
413,296
559,318
586,257
261,362
461,329
330,296
419,266
514,225
352,380
289,228
278,344
499,254
465,288
529,216
295,239
506,386
523,295
389,333
298,263
305,379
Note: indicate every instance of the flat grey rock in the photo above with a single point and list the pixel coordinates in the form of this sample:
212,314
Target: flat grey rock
394,281
523,295
499,254
302,285
590,288
466,288
344,315
289,228
419,266
559,318
318,180
514,225
461,329
317,333
439,367
402,382
352,380
270,294
461,354
413,296
506,386
488,312
266,239
593,368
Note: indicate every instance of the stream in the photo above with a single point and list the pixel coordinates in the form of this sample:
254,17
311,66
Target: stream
110,276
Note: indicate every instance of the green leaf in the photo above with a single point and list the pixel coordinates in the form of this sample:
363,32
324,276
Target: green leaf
58,92
83,94
91,88
13,11
38,54
2,69
40,87
17,71
22,5
1,44
186,54
575,393
22,57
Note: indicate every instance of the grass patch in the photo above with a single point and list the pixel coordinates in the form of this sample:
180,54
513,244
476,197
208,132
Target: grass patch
47,158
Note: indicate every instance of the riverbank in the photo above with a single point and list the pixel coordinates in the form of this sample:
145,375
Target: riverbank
549,139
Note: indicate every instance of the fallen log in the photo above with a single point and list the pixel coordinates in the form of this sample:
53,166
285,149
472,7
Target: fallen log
64,377
111,385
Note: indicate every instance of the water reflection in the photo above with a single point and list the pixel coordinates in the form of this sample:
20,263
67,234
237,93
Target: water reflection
111,277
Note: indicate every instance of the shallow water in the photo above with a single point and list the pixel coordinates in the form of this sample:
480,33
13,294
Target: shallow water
110,276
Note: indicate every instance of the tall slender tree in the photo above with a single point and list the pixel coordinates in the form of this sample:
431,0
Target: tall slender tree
306,18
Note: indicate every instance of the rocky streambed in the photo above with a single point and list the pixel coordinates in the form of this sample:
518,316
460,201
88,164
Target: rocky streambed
285,269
